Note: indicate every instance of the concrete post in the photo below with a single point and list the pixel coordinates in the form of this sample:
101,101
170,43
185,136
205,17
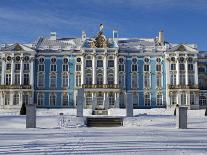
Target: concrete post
181,117
129,105
30,116
80,102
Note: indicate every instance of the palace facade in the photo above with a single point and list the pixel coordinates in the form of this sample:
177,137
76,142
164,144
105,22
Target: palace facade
49,72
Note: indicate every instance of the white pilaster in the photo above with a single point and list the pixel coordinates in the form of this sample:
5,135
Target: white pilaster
167,69
117,100
186,72
187,98
11,98
178,98
82,70
94,68
3,71
196,72
116,69
32,72
105,69
178,72
12,70
21,70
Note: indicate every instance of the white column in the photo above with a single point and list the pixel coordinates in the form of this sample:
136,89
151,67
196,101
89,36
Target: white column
82,70
105,69
32,72
3,72
178,98
196,72
12,70
21,70
20,98
186,72
94,68
188,98
116,69
178,72
167,69
117,100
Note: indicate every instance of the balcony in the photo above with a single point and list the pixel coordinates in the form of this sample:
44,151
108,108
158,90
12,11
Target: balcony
105,86
15,87
182,86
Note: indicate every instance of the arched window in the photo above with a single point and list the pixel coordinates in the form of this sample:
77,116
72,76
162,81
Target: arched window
53,66
110,79
65,99
146,80
159,80
40,99
135,100
147,99
52,99
41,79
65,80
88,98
159,100
78,80
100,79
134,65
53,80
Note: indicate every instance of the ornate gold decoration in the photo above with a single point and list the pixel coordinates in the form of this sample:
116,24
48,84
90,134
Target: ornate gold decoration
181,48
18,48
92,44
101,41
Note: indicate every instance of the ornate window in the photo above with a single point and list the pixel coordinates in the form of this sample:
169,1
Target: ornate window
17,67
159,80
111,99
88,63
173,79
65,67
41,66
25,99
8,79
190,67
65,99
65,80
78,67
158,67
173,67
191,79
173,99
52,99
183,98
182,66
53,66
99,63
182,78
26,79
88,79
100,98
122,80
16,98
40,99
17,79
159,100
134,65
146,68
110,63
147,99
134,80
88,98
52,80
8,66
26,67
41,79
202,100
100,79
110,79
78,80
146,80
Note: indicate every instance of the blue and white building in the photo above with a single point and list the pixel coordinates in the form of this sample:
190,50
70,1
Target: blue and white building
49,71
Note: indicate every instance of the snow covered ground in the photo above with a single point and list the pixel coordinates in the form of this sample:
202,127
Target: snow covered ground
151,132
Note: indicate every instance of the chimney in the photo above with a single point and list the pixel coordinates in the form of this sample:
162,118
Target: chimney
83,36
53,36
161,37
115,34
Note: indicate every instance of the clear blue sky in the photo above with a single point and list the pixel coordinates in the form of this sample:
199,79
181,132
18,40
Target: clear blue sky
183,21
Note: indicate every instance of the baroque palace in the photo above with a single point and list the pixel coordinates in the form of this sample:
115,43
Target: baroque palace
49,72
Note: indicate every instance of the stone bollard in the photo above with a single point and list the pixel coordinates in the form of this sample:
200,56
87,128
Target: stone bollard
80,101
129,105
31,116
181,117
